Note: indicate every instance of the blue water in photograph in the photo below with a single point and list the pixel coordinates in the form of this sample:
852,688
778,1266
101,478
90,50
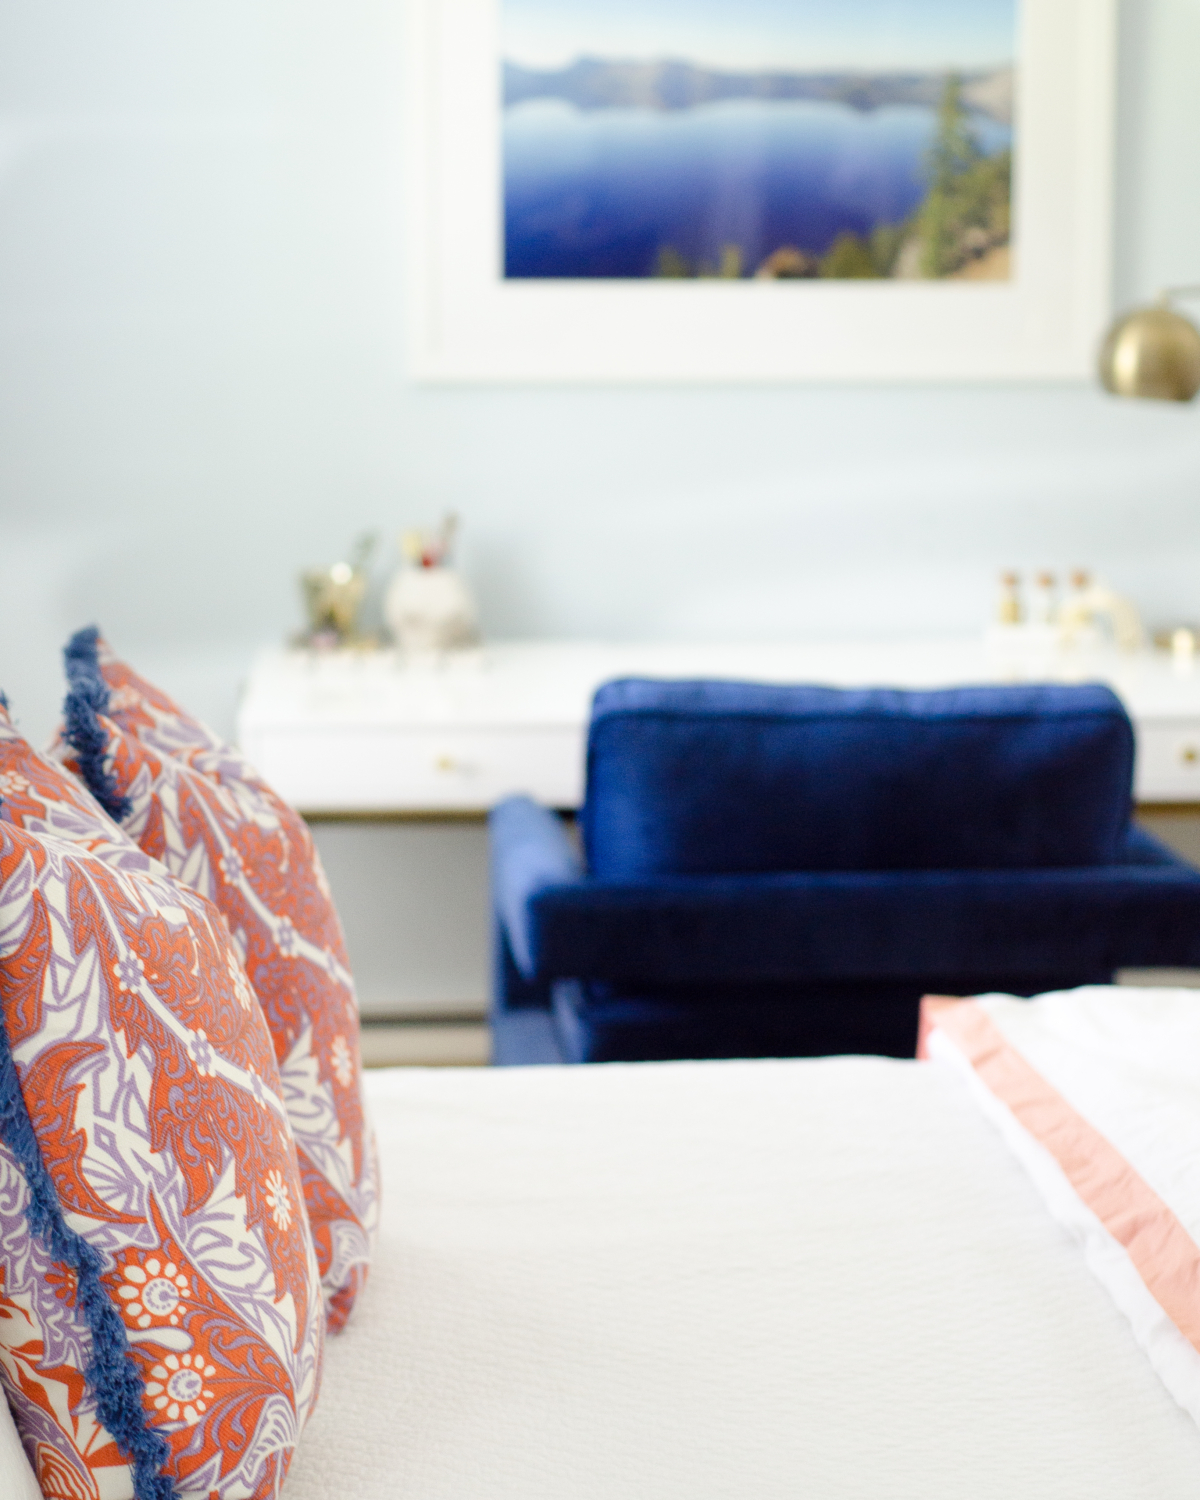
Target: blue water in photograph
604,192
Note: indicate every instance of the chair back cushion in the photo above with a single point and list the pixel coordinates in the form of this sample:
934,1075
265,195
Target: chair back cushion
712,778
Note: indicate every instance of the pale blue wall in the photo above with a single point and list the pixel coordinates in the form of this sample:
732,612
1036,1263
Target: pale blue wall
201,384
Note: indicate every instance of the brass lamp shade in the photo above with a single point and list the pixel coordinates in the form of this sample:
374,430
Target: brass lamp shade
1153,352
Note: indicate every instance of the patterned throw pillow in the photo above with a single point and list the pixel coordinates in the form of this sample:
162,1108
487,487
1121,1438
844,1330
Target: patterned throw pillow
192,801
161,1323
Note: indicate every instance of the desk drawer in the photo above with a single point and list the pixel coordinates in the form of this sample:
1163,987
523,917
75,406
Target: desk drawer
1168,761
367,769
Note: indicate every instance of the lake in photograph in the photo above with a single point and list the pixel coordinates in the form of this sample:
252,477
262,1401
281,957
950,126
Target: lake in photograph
817,161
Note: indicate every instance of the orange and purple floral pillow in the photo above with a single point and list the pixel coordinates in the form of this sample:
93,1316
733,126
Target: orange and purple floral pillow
192,801
161,1320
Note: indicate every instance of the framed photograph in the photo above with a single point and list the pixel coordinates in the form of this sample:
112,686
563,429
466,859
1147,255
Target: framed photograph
759,190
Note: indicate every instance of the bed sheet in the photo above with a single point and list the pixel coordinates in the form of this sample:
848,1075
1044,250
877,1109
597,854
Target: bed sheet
692,1281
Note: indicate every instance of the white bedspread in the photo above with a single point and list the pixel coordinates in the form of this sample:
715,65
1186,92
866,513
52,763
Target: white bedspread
726,1281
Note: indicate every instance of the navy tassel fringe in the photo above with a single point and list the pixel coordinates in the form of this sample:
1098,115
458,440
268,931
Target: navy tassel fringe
111,1372
88,697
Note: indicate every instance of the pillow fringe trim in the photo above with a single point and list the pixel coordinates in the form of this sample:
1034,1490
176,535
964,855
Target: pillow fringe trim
87,699
111,1372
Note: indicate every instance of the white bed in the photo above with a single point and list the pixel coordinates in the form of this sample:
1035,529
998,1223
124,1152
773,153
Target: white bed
814,1279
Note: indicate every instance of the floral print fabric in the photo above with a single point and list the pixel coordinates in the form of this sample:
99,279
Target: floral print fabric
173,1258
191,801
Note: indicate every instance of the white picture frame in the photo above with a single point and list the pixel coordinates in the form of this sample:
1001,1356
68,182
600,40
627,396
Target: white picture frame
467,324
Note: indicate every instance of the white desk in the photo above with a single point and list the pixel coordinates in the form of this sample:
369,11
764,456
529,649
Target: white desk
347,733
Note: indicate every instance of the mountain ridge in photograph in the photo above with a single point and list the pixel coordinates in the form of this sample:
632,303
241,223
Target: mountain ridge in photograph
591,83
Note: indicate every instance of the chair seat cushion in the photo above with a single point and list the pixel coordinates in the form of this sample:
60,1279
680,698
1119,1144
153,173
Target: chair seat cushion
706,778
596,1022
874,925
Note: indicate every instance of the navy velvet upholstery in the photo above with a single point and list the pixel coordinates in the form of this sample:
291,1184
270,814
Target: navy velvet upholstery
610,1023
677,939
715,778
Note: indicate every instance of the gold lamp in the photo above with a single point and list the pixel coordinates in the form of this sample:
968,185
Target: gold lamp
1153,352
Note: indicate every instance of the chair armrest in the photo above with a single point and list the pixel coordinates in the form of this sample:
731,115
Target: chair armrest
530,854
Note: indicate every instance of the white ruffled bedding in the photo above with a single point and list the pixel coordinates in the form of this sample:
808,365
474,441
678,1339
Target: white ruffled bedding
719,1281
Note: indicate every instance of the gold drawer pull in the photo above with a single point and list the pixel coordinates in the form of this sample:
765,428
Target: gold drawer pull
448,763
1189,755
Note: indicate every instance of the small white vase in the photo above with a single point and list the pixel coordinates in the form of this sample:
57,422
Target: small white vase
429,611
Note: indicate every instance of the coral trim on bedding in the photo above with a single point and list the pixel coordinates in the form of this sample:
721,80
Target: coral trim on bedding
1162,1251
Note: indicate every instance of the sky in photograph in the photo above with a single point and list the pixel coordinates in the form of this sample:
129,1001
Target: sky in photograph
858,35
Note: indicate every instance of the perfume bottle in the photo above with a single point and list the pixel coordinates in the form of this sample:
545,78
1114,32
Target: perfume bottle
1043,600
1008,605
1081,582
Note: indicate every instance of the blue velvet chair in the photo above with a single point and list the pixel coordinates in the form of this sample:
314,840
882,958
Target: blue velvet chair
787,870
